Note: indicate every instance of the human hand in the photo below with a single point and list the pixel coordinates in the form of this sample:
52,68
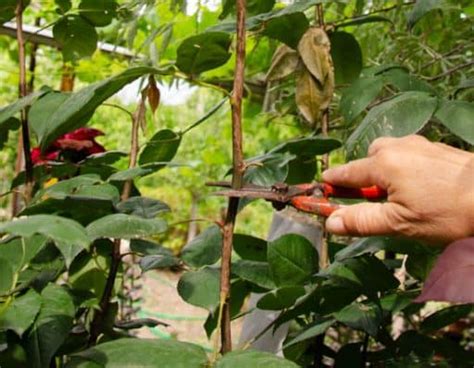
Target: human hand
430,191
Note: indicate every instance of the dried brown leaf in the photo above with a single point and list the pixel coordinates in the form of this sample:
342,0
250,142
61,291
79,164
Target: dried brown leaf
284,63
153,94
312,98
315,51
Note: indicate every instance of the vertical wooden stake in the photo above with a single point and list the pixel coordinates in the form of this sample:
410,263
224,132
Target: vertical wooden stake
237,181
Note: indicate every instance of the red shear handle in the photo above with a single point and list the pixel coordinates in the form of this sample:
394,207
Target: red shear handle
315,205
373,193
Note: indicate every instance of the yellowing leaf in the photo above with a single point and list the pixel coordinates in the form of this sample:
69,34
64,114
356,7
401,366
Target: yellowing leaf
311,97
315,51
284,63
153,94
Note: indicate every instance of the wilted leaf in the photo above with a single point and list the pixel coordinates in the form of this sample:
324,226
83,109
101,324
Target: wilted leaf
314,49
153,94
457,116
447,280
404,114
284,63
311,99
201,288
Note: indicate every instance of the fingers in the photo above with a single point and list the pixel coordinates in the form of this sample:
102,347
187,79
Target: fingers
356,174
363,219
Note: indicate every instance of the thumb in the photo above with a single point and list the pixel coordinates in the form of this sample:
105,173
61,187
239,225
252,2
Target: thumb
362,219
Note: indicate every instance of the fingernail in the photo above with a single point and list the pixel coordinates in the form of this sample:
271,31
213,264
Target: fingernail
335,224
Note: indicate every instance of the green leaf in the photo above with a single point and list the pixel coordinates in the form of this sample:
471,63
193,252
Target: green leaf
421,8
403,81
68,235
358,96
7,9
445,317
250,358
349,355
5,127
252,6
148,352
9,111
21,313
158,261
288,28
281,298
366,273
419,265
143,207
346,56
201,288
100,13
76,37
267,169
257,273
162,147
145,247
361,316
123,226
104,158
239,291
250,248
20,251
292,260
76,111
63,6
308,146
364,20
397,301
312,330
7,276
42,109
51,327
404,114
203,52
374,244
204,249
457,117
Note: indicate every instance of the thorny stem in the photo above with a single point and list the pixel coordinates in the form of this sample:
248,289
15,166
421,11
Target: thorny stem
23,89
96,325
100,315
237,181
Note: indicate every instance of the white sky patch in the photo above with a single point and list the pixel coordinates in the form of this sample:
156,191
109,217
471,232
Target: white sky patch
212,5
175,95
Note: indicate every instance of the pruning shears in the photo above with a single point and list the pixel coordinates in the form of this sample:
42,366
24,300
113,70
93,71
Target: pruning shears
311,198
